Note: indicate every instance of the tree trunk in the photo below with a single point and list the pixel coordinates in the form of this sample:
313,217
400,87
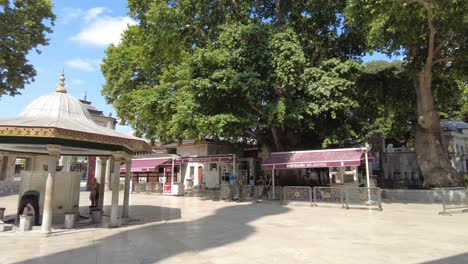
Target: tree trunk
430,147
276,138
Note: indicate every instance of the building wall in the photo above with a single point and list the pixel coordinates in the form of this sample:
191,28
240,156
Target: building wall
193,150
399,165
457,147
212,172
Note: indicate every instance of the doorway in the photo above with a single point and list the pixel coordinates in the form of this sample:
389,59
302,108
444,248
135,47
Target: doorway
200,176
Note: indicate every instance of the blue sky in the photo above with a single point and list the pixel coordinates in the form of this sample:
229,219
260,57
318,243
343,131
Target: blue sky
82,31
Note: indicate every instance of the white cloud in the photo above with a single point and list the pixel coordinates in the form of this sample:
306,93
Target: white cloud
93,13
81,64
100,29
68,14
76,82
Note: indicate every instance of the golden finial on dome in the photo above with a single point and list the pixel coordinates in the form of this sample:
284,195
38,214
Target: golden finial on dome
61,87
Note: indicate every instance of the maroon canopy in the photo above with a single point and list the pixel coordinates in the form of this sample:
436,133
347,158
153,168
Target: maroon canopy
316,159
148,164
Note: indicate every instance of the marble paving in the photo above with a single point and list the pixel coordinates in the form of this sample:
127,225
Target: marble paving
200,230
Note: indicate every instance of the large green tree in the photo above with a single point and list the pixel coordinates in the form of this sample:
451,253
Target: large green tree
259,70
23,27
387,100
432,36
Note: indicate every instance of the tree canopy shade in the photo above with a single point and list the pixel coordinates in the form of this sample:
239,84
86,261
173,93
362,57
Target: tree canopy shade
235,70
23,27
432,35
285,74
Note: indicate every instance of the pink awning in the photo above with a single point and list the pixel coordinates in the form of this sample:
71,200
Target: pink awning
148,164
316,159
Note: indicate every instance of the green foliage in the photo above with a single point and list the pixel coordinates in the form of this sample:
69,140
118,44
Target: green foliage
242,70
404,26
388,98
452,98
23,27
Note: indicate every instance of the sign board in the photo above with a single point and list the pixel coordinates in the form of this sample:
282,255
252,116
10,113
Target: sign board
141,179
167,189
205,159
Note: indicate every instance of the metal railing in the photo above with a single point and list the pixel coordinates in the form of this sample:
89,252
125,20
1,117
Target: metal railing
266,192
149,187
297,194
329,195
363,196
453,199
247,192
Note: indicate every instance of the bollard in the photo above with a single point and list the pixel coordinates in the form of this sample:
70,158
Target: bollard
25,223
2,213
96,216
70,219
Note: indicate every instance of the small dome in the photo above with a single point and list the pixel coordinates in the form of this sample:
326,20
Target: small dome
56,106
59,118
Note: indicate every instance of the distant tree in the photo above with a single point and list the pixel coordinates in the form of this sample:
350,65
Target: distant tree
432,35
23,26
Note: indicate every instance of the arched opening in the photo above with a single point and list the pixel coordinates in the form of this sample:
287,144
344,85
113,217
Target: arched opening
31,198
200,176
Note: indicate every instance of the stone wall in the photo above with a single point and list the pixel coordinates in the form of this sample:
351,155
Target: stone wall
418,196
9,187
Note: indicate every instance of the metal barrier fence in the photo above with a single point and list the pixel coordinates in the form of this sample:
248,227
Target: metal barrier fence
155,187
453,199
333,195
278,190
266,192
247,192
363,196
297,194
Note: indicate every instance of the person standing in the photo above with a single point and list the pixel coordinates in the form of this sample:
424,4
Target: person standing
266,188
252,186
94,194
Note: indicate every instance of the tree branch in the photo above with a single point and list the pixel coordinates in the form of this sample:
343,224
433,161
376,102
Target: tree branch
422,2
440,46
432,33
198,30
257,110
250,133
443,59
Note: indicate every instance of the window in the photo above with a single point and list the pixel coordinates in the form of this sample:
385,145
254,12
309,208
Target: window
192,172
213,166
348,178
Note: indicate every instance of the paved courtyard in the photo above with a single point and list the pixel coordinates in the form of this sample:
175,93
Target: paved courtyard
197,230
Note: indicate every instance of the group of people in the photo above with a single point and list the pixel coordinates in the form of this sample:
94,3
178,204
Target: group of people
264,184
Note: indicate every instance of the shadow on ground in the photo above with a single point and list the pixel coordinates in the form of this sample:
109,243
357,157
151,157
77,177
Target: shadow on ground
457,259
149,213
156,242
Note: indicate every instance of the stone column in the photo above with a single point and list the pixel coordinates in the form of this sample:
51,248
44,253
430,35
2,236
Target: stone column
108,173
114,215
10,167
101,178
1,166
54,156
126,200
